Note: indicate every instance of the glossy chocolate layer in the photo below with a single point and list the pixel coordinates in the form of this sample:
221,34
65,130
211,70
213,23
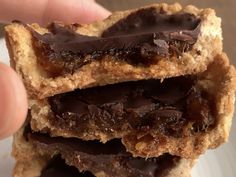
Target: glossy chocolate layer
174,107
95,159
143,37
58,168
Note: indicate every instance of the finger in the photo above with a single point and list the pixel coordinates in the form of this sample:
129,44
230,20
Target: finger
82,11
44,11
13,102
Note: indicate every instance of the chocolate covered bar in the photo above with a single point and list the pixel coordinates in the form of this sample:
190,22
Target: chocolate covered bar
182,115
70,157
153,42
142,93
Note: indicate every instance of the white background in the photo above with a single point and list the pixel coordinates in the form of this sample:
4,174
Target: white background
215,163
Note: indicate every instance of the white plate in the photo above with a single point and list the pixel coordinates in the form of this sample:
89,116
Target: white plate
215,163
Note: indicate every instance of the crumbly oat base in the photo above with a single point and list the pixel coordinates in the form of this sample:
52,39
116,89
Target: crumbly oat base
107,70
30,161
219,80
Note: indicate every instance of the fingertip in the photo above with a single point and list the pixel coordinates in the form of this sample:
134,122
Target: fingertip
13,102
102,11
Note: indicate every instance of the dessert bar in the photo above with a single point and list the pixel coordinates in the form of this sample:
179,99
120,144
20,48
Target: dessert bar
157,41
182,115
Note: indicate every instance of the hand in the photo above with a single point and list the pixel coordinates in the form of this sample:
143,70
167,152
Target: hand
45,11
13,99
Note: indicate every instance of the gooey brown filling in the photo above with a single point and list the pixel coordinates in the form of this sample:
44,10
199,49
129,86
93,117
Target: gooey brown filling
143,37
176,107
111,158
58,168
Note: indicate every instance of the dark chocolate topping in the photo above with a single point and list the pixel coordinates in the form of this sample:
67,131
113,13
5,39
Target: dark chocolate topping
58,168
74,144
149,20
117,164
142,37
147,106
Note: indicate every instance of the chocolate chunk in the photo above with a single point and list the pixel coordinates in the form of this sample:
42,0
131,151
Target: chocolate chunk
200,111
161,48
168,121
140,38
58,168
96,159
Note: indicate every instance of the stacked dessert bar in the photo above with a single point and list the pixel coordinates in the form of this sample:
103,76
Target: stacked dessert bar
141,94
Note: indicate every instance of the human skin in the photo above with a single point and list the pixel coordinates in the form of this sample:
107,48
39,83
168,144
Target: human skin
13,97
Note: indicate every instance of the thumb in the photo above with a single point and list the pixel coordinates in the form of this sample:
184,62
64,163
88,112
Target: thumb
13,102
